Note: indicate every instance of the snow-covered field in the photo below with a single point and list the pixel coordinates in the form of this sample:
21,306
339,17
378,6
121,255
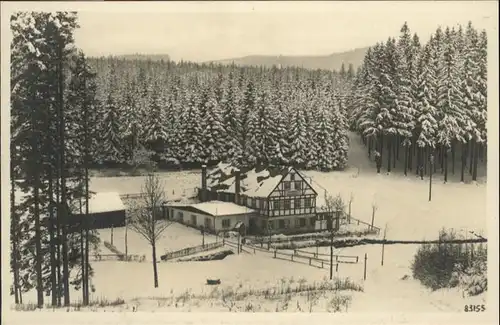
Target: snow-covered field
183,284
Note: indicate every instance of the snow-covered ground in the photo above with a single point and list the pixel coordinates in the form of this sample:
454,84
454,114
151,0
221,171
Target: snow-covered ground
175,237
384,290
176,184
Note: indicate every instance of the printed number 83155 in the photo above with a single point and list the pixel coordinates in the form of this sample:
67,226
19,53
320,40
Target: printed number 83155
474,308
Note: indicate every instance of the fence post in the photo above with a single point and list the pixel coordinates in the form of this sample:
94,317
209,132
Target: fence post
274,253
337,267
364,275
309,261
321,264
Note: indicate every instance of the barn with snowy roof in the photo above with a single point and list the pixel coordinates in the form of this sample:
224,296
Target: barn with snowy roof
282,199
106,210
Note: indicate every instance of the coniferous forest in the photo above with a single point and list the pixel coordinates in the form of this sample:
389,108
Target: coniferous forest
70,113
417,104
192,114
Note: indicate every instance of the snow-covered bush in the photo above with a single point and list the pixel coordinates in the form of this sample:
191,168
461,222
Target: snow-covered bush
447,265
473,278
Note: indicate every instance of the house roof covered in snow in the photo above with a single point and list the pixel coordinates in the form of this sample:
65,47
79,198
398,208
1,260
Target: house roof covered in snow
255,182
101,202
215,208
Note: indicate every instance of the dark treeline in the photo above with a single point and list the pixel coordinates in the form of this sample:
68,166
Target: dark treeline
52,95
190,114
419,101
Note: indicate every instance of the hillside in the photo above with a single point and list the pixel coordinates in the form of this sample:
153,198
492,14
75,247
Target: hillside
331,62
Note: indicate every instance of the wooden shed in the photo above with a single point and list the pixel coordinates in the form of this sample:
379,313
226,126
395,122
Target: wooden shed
106,210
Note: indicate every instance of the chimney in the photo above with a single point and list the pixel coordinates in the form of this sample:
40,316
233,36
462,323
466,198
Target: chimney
203,183
237,186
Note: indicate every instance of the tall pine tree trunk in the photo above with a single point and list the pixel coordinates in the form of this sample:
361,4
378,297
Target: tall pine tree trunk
38,243
436,157
14,229
36,173
82,249
86,225
397,151
453,148
58,232
476,154
53,262
64,203
441,157
410,157
421,163
471,156
426,159
464,161
86,160
445,159
395,148
389,147
370,142
406,160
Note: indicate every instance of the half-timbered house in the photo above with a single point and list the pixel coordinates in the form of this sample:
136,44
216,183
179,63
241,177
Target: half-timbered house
283,198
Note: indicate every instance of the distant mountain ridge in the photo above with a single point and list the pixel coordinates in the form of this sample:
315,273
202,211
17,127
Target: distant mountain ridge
137,56
329,62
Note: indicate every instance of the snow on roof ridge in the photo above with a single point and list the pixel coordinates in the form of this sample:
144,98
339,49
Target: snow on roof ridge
221,208
222,178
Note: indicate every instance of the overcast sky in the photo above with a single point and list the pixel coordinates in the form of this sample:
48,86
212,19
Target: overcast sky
208,31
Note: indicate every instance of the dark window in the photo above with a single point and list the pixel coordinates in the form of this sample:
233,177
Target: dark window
226,223
276,205
193,219
312,221
287,223
307,202
297,204
298,185
208,223
281,224
264,224
297,222
302,222
286,186
292,177
271,224
287,204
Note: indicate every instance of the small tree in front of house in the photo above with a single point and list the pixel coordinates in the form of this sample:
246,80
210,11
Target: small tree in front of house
333,206
145,216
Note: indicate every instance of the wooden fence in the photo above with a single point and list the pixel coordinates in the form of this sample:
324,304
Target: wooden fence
350,259
190,251
352,220
293,257
119,257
